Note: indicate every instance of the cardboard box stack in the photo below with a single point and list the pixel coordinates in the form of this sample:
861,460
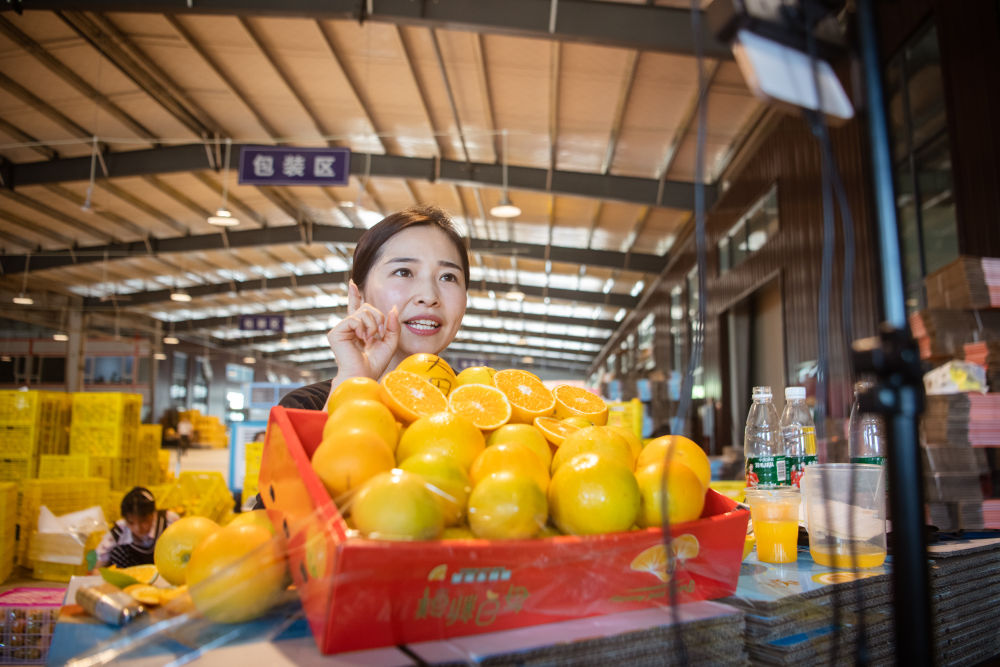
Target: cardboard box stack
962,322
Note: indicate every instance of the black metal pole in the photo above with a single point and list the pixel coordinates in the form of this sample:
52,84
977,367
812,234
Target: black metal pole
899,395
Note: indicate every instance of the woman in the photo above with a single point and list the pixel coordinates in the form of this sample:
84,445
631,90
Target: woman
407,294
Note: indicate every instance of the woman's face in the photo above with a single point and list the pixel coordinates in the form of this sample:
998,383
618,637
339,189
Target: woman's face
419,271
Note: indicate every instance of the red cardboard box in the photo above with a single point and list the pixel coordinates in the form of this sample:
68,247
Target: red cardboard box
361,593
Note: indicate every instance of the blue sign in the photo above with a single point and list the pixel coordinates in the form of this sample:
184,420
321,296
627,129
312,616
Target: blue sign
288,165
262,322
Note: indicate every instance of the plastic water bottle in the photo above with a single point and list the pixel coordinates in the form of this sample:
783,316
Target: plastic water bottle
866,433
763,448
798,432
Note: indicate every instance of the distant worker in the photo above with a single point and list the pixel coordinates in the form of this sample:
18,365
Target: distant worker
185,431
132,539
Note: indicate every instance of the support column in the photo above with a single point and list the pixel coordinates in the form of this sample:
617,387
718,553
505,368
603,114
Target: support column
75,349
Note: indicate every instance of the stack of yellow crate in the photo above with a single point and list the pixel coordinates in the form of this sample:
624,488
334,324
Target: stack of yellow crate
61,495
31,423
166,474
210,431
106,425
148,458
8,529
197,494
252,453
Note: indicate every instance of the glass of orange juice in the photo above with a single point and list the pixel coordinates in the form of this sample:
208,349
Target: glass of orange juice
775,516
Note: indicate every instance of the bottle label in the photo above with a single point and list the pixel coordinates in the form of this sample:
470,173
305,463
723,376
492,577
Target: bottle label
875,460
797,465
767,471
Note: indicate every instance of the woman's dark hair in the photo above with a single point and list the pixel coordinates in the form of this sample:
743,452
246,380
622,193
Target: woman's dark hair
373,241
138,502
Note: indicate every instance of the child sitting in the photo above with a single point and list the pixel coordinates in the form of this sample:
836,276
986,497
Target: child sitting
133,537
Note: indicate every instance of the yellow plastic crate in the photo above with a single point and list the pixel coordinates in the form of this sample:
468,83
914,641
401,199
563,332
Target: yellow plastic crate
20,441
252,453
56,571
150,439
8,528
100,466
250,488
26,408
62,465
106,408
113,505
627,414
16,469
124,473
103,439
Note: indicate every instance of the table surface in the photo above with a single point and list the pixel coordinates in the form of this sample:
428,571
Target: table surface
288,641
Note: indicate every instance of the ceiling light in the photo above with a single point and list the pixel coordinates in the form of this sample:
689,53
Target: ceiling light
223,218
637,288
5,358
60,336
171,340
249,360
514,295
527,359
180,295
521,341
23,299
159,356
505,209
284,341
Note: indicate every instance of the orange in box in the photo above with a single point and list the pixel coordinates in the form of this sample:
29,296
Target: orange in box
363,593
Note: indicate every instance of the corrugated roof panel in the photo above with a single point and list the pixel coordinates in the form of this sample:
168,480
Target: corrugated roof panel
461,55
376,59
660,231
615,225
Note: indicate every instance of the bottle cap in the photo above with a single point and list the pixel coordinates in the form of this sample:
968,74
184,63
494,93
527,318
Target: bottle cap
761,392
795,393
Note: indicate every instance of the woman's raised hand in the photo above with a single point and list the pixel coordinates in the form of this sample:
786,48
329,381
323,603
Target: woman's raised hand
365,340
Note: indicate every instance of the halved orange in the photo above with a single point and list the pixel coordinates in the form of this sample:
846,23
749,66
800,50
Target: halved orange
554,430
410,396
486,406
528,397
572,400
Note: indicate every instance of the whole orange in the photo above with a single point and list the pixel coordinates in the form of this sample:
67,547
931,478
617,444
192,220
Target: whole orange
476,375
397,505
364,413
527,435
681,449
452,433
512,457
173,548
255,517
685,496
507,506
352,389
432,368
634,442
237,573
590,495
353,456
597,440
446,479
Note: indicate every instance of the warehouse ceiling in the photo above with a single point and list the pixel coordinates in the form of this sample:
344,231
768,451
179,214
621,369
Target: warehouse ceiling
116,123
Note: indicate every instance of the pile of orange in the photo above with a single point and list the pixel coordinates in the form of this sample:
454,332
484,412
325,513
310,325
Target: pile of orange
427,453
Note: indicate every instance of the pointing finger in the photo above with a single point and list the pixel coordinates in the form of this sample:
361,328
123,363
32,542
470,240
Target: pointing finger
353,297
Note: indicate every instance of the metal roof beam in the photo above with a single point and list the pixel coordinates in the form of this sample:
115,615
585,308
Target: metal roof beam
646,27
290,234
230,320
275,338
291,281
191,157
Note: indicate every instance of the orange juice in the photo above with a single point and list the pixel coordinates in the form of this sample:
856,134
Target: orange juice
774,513
777,541
865,555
